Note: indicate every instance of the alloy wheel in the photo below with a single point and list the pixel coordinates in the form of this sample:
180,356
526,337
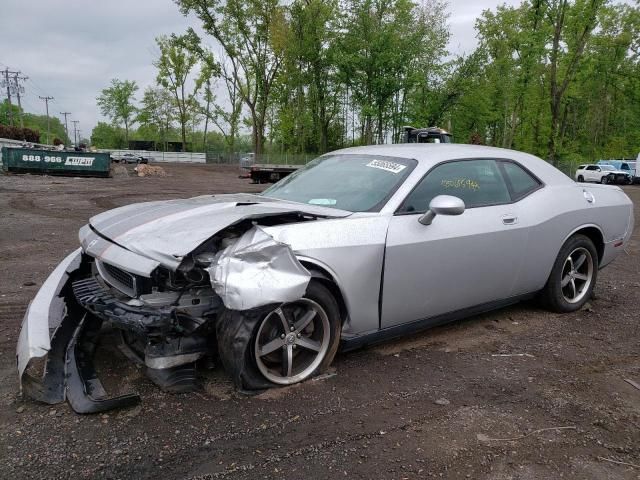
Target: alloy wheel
577,275
292,341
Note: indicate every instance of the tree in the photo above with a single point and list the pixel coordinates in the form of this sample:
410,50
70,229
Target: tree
227,120
116,102
4,112
158,112
309,91
175,64
252,34
376,50
572,27
104,135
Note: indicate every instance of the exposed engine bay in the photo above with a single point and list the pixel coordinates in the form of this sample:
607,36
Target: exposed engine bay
168,321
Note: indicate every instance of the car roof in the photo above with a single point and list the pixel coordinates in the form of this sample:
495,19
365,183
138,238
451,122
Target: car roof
430,154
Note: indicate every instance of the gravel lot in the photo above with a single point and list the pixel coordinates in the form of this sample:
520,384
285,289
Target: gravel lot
477,399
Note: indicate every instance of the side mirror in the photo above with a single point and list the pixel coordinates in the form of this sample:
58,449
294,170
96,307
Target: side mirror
442,205
598,169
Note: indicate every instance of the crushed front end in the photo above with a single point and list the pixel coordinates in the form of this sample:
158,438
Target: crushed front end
165,313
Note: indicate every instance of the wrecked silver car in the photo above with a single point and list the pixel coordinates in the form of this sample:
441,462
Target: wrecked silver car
361,245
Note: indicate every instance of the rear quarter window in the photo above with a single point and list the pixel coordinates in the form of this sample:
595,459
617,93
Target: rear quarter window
521,182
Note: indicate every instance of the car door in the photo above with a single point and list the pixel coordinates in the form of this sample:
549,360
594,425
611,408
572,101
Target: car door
593,172
457,262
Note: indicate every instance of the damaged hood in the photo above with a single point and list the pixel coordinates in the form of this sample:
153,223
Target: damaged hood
166,231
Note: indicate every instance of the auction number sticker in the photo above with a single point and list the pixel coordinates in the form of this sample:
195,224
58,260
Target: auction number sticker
386,165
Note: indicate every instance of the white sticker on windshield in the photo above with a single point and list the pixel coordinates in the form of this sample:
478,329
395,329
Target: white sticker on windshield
323,201
392,167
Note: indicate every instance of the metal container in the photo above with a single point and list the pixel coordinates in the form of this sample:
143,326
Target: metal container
53,162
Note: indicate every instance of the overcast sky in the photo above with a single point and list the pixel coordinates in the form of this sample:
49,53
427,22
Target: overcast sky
70,49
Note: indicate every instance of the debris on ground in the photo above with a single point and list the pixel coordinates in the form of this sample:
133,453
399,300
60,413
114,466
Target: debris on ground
513,355
632,383
145,170
618,462
324,376
485,438
119,171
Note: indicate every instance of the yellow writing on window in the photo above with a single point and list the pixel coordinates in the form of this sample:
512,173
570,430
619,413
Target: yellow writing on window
460,183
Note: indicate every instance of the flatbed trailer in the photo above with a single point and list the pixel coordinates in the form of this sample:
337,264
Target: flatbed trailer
270,173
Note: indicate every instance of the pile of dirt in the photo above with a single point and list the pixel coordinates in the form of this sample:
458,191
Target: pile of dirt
145,170
119,171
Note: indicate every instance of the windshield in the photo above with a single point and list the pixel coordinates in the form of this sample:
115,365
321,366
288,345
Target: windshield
357,183
607,167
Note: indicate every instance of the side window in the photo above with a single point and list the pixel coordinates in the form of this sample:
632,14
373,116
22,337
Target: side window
476,182
521,181
592,167
581,167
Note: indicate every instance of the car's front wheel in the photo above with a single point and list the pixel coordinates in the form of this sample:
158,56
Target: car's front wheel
573,276
283,345
604,179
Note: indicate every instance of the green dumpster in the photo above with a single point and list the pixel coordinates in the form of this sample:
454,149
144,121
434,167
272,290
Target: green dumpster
53,162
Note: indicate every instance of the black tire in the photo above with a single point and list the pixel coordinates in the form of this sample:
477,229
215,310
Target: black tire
580,178
553,296
237,333
604,179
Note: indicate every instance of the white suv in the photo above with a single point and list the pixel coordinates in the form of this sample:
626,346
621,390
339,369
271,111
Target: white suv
602,174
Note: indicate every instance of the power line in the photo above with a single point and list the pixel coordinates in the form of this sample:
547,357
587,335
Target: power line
66,126
17,78
7,83
46,101
75,131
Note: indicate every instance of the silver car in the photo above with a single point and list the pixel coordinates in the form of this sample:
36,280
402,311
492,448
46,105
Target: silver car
361,245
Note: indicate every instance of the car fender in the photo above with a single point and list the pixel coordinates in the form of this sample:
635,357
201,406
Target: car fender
352,251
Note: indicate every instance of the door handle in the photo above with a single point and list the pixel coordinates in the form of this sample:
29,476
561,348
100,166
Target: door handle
509,219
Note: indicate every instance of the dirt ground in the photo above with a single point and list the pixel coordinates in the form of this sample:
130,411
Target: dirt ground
516,394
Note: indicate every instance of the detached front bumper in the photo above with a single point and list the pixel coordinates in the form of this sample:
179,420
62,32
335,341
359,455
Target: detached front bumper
43,318
58,331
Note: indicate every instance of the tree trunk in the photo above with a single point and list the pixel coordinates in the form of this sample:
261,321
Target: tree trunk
206,120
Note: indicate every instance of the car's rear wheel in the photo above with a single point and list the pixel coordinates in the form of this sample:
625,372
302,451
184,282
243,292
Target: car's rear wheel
573,276
580,178
282,345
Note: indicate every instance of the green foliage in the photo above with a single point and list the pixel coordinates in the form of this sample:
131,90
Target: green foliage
157,115
5,115
175,64
34,125
253,35
116,102
108,136
19,133
557,78
587,108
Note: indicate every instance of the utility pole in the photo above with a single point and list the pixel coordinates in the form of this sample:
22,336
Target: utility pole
7,83
19,89
46,101
75,131
66,125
